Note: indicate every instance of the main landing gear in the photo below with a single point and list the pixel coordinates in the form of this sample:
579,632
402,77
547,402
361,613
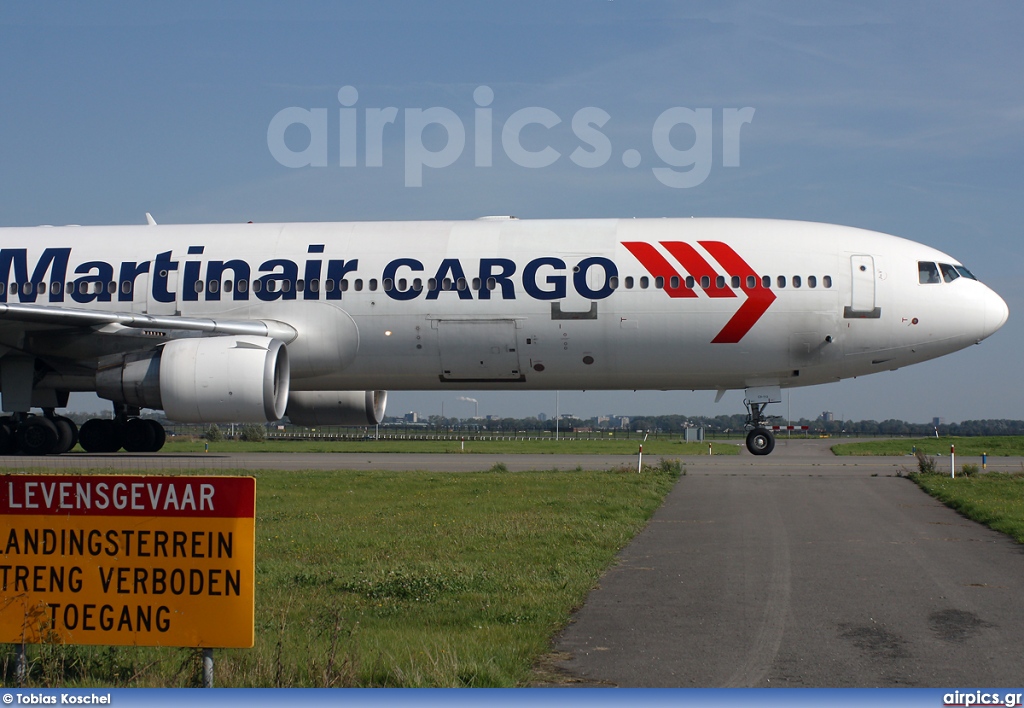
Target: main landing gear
49,434
760,440
30,434
125,430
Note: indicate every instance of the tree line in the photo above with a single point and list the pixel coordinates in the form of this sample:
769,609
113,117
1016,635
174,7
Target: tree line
676,424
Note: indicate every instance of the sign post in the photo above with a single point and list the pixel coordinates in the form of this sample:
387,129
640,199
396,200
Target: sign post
127,560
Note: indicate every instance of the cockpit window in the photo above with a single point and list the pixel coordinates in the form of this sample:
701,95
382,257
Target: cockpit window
949,273
927,272
964,272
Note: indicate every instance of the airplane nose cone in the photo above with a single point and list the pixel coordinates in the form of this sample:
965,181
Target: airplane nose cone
996,314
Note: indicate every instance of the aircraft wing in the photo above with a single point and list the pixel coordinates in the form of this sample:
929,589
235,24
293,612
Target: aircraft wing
64,317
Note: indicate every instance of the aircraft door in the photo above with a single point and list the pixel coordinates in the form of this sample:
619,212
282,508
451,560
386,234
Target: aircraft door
478,350
862,288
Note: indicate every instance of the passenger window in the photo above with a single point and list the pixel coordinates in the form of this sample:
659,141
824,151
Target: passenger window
674,281
389,285
461,284
659,282
690,282
432,284
644,282
827,281
705,282
751,281
796,281
629,282
213,286
257,285
199,286
55,287
228,286
476,283
403,284
927,273
766,281
736,281
373,284
329,285
417,284
314,285
812,282
720,282
613,282
243,285
359,284
949,273
492,283
300,285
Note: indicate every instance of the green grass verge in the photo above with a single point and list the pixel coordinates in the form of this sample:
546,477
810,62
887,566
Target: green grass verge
403,579
493,447
994,445
993,499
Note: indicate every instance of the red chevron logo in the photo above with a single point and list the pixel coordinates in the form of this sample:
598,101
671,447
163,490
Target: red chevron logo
759,298
658,266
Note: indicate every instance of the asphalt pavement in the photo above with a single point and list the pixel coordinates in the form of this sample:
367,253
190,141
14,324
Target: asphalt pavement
803,569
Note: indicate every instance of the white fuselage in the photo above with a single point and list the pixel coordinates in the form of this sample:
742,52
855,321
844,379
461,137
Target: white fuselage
514,304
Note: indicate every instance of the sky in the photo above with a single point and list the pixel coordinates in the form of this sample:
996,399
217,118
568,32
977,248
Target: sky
906,118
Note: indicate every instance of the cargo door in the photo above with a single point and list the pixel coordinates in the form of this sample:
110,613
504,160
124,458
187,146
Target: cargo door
478,350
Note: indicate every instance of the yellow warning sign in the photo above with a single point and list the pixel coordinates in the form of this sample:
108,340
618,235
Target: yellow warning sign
127,560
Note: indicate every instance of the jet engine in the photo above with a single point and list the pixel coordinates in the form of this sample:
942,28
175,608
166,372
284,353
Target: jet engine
203,380
314,408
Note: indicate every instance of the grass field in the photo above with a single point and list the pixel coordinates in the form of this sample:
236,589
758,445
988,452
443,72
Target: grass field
495,447
996,446
996,500
402,579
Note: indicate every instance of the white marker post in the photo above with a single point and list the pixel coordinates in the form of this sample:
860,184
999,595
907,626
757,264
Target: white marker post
640,454
952,461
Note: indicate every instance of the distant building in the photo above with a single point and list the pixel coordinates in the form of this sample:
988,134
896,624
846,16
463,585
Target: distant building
412,417
542,417
828,416
936,422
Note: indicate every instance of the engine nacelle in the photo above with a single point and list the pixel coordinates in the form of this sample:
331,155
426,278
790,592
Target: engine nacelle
312,408
242,379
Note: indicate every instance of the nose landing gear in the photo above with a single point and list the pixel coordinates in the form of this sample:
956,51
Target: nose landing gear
760,440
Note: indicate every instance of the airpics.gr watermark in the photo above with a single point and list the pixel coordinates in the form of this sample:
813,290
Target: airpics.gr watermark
680,168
